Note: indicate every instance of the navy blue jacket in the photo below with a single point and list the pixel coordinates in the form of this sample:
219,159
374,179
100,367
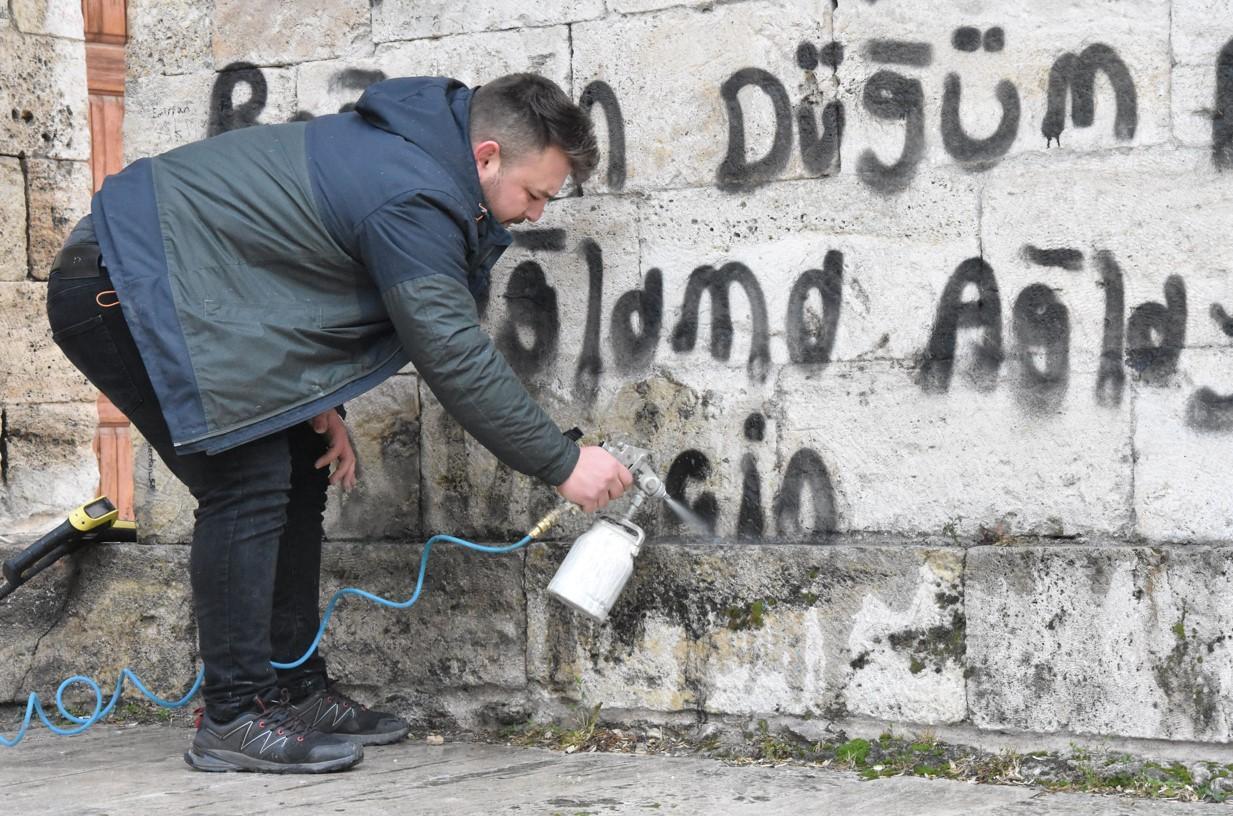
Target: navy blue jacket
270,273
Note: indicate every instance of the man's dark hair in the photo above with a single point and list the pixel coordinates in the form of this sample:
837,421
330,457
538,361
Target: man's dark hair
526,113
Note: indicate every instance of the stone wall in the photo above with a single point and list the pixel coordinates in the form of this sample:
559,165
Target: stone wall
924,307
47,413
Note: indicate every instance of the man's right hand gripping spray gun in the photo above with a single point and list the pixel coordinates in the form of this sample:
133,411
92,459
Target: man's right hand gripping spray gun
601,560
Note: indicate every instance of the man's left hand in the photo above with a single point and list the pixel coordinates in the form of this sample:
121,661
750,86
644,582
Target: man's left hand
340,452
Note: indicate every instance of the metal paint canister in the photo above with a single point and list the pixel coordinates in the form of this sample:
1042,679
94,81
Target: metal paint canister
595,570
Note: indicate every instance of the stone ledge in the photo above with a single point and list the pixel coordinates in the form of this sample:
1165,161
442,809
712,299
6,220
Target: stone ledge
1052,638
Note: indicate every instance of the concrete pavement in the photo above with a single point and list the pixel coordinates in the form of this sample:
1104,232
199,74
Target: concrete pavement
138,770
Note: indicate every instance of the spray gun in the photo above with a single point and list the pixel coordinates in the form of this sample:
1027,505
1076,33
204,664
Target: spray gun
601,560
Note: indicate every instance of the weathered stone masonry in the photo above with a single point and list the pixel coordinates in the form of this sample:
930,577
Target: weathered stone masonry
925,307
47,413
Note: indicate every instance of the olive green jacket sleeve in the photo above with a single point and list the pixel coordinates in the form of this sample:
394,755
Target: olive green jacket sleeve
438,325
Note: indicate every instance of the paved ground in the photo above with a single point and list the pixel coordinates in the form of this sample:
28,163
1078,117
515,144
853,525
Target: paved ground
138,770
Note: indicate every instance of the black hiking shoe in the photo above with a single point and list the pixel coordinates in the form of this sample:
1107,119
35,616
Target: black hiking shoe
271,739
332,712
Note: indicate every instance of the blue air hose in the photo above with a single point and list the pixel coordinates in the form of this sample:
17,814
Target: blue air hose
35,706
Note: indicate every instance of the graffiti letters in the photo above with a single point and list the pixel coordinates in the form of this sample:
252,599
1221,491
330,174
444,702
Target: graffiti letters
1078,75
716,283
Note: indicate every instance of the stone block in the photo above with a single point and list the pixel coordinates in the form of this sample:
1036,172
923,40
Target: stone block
795,630
162,504
59,196
130,605
1183,438
49,463
1100,639
667,70
33,370
55,18
384,426
991,451
13,264
467,630
162,112
412,20
1197,45
334,85
795,239
996,60
385,430
1195,40
1194,104
275,33
43,109
1159,216
113,606
169,37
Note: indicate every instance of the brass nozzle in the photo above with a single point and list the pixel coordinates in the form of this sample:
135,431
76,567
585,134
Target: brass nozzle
547,521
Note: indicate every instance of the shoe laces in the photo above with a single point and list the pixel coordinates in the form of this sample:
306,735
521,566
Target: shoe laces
332,693
277,712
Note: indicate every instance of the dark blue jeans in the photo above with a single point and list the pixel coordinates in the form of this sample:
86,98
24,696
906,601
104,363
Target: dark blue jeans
256,553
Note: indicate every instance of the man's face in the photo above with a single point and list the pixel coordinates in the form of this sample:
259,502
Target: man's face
517,191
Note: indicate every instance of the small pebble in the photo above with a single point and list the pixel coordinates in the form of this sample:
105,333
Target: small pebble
434,739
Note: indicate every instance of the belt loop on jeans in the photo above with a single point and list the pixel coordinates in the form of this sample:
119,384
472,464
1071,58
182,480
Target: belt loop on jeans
79,261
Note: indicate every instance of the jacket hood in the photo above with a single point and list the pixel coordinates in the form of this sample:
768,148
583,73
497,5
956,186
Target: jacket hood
433,113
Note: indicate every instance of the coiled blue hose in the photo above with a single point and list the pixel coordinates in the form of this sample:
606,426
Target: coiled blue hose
35,706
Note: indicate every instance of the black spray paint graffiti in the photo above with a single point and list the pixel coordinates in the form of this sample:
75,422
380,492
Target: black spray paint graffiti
806,475
887,95
1222,113
891,96
1041,328
1078,75
811,336
736,173
225,115
1208,411
717,283
956,311
1149,343
531,308
819,147
600,93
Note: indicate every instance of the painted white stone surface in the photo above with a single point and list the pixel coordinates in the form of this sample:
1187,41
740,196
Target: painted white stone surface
667,69
903,459
1032,38
325,87
1182,471
415,19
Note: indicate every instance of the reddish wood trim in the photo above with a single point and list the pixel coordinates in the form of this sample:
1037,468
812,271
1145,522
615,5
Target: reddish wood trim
105,20
106,31
106,132
113,446
105,68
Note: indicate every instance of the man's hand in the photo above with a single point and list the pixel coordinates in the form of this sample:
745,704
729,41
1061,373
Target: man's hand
340,452
598,478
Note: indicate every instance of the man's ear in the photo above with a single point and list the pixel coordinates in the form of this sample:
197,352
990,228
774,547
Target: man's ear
487,156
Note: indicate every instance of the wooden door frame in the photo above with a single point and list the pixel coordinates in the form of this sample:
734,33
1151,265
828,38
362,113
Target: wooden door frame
106,32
